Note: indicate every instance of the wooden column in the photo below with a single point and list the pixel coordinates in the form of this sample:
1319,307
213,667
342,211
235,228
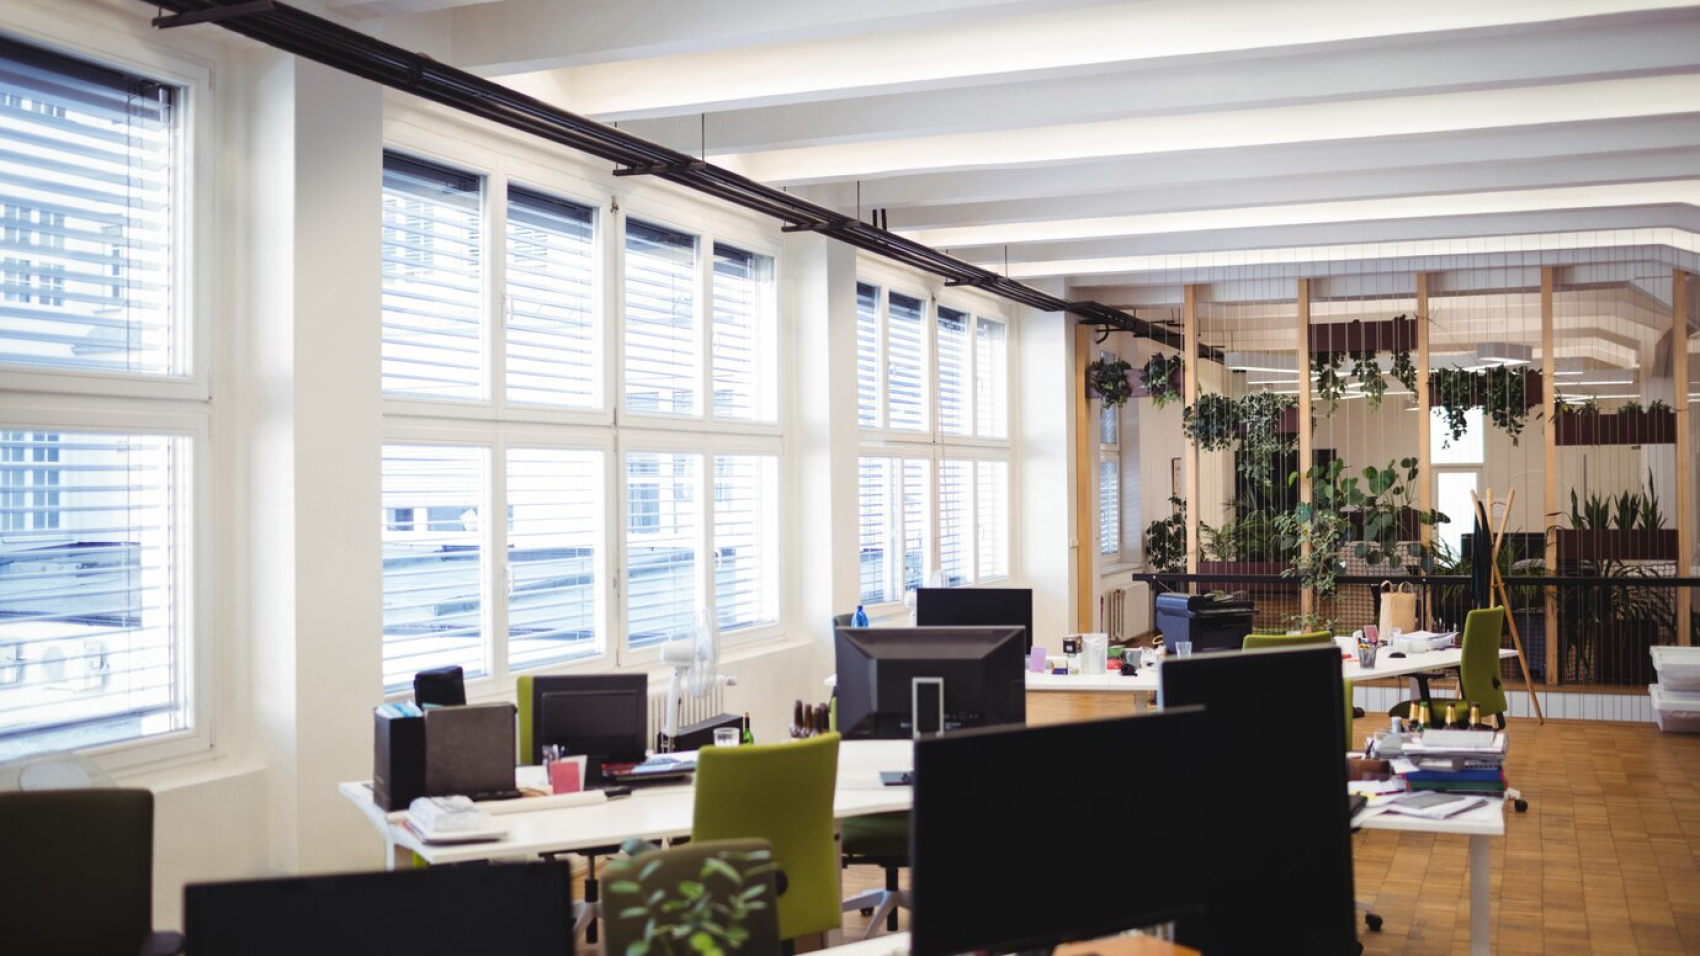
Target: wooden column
1549,468
1307,597
1425,422
1189,450
1085,488
1684,456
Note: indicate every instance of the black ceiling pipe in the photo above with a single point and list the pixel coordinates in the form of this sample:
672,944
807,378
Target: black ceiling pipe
324,41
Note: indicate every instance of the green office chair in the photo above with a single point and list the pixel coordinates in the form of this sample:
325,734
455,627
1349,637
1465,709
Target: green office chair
725,890
1478,670
781,793
80,873
882,840
1256,641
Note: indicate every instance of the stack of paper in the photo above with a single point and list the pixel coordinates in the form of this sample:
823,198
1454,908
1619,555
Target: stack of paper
1459,761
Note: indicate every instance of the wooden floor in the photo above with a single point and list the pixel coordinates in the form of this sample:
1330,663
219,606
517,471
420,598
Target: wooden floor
1607,860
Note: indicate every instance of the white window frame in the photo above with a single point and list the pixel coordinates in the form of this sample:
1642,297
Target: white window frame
497,423
176,405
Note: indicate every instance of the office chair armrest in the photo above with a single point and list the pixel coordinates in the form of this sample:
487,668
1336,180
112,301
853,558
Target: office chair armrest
161,944
636,847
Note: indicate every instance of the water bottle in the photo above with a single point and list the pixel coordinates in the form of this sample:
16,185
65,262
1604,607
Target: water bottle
861,617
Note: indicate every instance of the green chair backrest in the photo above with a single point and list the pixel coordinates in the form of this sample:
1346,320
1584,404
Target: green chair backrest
719,896
1478,671
1255,641
79,871
781,793
522,699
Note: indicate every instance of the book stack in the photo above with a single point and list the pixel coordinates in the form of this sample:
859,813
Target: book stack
1457,761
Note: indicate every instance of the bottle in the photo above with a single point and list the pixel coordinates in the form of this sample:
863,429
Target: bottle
1451,717
860,618
797,719
1422,717
1476,717
749,737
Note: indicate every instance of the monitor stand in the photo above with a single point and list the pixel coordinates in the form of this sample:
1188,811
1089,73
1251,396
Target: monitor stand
926,706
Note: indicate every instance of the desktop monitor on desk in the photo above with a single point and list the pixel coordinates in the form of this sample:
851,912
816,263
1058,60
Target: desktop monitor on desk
1005,852
895,683
602,716
1278,845
524,909
977,607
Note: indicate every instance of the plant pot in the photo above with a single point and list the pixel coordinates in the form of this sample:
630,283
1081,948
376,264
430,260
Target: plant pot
1617,428
1608,545
1386,335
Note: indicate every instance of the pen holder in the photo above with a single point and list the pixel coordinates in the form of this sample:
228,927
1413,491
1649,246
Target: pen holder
1366,656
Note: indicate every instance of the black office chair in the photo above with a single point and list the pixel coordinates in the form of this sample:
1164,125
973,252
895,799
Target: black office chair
81,863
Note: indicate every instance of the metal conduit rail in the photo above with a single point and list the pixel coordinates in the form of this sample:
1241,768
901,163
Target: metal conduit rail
324,41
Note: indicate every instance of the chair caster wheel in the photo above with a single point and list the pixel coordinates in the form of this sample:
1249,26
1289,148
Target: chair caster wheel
867,911
1373,922
1522,806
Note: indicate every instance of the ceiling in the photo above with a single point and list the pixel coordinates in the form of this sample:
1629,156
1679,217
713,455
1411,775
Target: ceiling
1116,150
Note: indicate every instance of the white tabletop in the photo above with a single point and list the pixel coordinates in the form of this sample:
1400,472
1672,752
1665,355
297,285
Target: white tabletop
650,813
1146,680
1486,820
1388,666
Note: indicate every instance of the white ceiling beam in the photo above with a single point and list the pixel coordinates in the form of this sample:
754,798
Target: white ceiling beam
976,49
1312,122
1422,65
373,9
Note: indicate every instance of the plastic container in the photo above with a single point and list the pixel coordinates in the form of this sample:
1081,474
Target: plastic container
1678,667
1674,716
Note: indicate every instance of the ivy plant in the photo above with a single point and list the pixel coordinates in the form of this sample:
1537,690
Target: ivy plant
1261,416
1108,378
1165,539
1211,422
1330,387
1507,399
1367,371
1162,378
1403,369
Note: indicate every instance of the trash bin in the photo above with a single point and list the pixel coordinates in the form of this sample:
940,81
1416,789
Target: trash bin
1211,623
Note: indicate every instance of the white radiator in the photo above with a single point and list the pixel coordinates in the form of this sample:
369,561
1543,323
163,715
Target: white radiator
691,709
1125,612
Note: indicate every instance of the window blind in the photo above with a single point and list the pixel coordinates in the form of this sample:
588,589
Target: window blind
1109,425
875,520
956,509
88,198
906,357
661,546
917,516
991,510
867,355
1109,508
554,551
553,331
433,294
743,336
661,324
92,643
745,540
953,355
991,379
433,549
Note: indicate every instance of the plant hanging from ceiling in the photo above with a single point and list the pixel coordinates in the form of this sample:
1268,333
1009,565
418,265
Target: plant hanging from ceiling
1211,422
1330,387
1162,378
1501,392
1506,398
1262,418
1108,377
1403,369
1367,370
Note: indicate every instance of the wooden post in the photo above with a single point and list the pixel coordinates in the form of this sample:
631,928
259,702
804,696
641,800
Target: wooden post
1549,498
1307,596
1684,456
1189,450
1085,487
1425,421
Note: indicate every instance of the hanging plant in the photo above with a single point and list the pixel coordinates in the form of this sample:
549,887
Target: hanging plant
1367,371
1262,416
1507,399
1502,392
1109,379
1330,387
1162,378
1404,370
1210,423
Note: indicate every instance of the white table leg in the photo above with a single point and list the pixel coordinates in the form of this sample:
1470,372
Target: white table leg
1481,922
396,856
1141,702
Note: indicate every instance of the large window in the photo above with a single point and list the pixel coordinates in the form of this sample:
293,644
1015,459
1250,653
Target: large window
578,504
97,518
1109,476
89,199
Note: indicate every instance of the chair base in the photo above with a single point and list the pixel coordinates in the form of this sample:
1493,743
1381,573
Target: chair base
883,904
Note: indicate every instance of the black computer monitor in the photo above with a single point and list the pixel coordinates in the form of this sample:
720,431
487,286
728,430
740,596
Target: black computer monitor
602,716
523,908
977,607
1278,846
883,673
1009,847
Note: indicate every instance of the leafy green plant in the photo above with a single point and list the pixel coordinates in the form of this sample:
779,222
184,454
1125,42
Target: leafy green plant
1502,392
1309,622
1658,406
692,920
1630,407
1109,379
1330,387
1250,535
1626,511
1165,540
1162,378
1260,417
1387,495
1315,531
1452,391
1211,422
1367,371
1507,399
1403,369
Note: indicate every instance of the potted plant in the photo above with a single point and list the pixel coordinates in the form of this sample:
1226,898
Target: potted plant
1107,379
1161,376
1165,540
1629,425
1211,422
1330,387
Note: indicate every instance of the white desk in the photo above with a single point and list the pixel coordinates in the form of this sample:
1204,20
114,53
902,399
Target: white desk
650,813
1480,825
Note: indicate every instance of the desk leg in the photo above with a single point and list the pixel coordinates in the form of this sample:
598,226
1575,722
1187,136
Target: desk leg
1481,893
396,856
1141,702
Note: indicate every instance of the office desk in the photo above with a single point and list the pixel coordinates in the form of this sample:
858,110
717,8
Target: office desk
1480,825
897,944
650,813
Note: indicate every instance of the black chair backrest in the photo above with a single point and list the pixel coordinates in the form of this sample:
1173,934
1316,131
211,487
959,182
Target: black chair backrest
79,871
